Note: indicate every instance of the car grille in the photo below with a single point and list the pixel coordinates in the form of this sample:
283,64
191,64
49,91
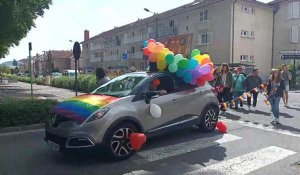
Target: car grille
55,138
57,119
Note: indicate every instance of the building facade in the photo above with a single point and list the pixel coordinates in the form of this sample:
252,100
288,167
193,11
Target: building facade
286,28
231,31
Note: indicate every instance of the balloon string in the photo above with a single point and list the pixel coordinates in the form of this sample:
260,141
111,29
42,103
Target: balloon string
262,87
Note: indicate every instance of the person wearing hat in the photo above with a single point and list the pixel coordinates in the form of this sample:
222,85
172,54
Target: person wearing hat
238,86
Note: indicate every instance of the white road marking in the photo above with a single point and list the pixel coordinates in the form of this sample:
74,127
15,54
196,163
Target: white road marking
21,132
139,172
246,163
259,126
185,147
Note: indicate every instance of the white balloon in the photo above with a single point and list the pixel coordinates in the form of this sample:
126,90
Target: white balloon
155,110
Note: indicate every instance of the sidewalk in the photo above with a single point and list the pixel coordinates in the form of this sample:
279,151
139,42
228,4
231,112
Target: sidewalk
21,90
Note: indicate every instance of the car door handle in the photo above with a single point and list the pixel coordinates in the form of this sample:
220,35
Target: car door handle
174,101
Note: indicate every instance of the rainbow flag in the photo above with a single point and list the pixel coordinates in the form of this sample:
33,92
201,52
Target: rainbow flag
81,107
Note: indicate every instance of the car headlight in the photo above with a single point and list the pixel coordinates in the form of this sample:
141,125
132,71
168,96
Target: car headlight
99,114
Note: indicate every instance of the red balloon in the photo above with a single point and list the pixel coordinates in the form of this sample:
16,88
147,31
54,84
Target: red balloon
156,82
147,51
222,127
208,77
200,81
151,41
137,140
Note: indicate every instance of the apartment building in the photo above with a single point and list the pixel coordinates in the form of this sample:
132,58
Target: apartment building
286,28
231,31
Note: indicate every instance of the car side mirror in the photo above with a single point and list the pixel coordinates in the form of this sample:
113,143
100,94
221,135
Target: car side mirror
151,95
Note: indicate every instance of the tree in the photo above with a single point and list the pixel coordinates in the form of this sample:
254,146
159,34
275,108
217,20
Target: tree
4,69
16,19
15,63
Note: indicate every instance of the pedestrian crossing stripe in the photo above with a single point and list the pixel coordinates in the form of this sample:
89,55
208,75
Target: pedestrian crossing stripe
185,147
246,163
260,126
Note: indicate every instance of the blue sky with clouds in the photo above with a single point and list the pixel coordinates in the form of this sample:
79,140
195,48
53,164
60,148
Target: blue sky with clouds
67,19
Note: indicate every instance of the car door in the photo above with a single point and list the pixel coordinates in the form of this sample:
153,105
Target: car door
167,103
187,97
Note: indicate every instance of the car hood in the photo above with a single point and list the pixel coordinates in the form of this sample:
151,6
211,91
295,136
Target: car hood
81,107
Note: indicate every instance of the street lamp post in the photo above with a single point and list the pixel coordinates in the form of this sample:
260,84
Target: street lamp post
156,22
156,26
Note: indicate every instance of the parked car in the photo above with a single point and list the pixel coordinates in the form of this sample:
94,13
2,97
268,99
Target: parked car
56,74
108,115
70,73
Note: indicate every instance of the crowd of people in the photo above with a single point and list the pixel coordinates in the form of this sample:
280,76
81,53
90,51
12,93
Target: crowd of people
230,84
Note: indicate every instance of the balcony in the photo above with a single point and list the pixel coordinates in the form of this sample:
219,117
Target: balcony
168,31
136,55
133,39
113,43
96,47
111,58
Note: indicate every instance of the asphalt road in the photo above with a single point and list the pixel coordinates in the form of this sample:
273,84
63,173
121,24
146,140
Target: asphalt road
252,149
252,145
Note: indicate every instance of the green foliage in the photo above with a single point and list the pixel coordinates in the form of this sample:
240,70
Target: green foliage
86,83
4,69
15,112
16,19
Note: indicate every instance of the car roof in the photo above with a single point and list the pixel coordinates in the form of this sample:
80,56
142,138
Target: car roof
148,73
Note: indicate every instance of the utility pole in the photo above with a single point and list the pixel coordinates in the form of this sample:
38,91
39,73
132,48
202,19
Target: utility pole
30,71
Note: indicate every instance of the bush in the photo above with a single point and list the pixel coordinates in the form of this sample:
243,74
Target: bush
15,112
86,83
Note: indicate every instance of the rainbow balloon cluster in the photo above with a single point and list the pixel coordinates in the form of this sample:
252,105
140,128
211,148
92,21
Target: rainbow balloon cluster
196,70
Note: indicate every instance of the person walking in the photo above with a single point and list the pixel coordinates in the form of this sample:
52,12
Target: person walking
0,77
275,90
252,81
101,77
286,75
238,86
226,82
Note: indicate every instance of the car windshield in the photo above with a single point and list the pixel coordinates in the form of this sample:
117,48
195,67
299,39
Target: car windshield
120,86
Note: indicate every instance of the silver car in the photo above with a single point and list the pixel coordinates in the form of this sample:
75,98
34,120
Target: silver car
149,103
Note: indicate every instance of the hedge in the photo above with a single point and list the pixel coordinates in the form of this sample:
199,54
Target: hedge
86,83
16,112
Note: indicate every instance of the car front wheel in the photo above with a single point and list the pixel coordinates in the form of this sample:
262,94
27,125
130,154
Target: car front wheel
117,144
209,119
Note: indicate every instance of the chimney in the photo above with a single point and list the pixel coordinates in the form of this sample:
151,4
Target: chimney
86,35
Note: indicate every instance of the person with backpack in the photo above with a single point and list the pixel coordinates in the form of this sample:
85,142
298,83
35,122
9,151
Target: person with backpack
238,86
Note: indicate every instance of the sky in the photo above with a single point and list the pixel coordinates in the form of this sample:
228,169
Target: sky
67,19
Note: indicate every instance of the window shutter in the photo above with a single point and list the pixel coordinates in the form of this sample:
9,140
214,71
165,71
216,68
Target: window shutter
295,32
290,11
296,9
209,38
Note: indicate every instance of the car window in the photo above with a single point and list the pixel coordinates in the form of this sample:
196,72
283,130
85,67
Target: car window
163,84
180,85
120,86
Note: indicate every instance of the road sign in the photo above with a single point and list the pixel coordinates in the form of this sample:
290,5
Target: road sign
125,56
290,54
76,51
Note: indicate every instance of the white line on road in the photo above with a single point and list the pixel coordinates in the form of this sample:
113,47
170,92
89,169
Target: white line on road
269,128
246,163
21,132
185,147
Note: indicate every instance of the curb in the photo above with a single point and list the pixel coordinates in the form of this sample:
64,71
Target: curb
22,128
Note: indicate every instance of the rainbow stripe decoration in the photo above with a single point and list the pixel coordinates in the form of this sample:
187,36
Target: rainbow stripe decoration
81,107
